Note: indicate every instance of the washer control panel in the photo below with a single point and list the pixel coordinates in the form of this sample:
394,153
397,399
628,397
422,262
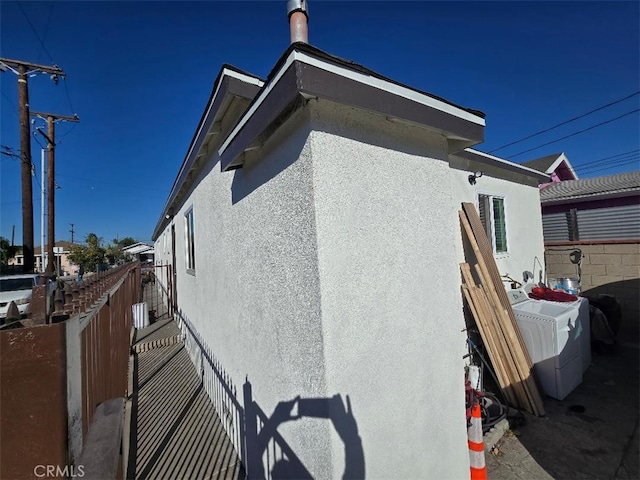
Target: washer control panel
517,295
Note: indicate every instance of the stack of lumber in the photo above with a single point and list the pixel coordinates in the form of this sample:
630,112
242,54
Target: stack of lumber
491,309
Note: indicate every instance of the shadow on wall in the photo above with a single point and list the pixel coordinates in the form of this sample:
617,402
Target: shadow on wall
264,452
255,172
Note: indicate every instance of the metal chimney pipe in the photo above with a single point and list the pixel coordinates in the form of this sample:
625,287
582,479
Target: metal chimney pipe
298,20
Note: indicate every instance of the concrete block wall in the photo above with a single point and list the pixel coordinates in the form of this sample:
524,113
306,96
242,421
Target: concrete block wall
607,268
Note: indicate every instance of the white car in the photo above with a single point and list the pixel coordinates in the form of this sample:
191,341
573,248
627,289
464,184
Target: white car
18,288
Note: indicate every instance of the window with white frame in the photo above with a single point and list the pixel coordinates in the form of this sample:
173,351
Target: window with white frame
190,247
492,214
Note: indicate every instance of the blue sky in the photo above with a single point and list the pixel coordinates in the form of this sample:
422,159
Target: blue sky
139,75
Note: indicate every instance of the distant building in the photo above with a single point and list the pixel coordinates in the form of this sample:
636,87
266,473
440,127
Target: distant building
61,250
140,251
600,208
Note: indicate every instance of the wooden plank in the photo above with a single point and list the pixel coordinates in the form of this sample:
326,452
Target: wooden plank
488,272
511,342
505,383
486,326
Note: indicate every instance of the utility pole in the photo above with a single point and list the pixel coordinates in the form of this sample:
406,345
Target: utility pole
23,70
51,180
72,231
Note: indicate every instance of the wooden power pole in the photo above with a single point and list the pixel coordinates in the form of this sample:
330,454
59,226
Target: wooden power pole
51,179
23,70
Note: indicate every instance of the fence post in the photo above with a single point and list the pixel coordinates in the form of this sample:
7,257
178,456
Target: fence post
74,387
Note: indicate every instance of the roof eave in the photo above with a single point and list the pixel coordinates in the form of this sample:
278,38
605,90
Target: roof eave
305,74
231,83
493,161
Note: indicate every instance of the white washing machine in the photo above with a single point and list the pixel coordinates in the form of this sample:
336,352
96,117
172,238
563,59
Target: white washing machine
557,335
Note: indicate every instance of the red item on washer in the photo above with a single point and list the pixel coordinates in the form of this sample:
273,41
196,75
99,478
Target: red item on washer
553,296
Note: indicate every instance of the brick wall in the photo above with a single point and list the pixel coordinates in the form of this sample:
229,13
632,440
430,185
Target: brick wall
610,268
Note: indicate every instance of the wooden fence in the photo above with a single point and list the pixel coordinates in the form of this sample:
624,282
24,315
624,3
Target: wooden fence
55,375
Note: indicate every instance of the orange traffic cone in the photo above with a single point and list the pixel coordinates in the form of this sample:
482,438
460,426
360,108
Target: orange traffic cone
476,445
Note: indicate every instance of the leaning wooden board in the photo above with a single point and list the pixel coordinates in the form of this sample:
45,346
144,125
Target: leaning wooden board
481,312
492,268
492,281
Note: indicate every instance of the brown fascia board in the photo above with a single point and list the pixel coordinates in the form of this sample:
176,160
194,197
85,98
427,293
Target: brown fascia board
285,91
224,87
282,99
489,160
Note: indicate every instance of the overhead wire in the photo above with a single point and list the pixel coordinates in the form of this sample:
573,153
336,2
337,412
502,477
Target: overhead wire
575,133
599,163
15,107
630,158
46,27
35,32
611,159
565,122
624,154
609,167
44,48
75,124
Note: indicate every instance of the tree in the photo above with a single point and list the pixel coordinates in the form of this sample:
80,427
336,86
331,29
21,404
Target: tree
114,252
7,251
89,255
125,242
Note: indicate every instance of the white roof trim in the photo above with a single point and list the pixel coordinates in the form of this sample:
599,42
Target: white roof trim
504,162
561,158
228,73
357,76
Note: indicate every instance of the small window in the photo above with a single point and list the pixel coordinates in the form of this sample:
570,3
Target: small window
492,214
190,246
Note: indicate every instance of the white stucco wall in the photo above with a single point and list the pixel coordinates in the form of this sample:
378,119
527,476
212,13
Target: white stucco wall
328,265
391,307
523,219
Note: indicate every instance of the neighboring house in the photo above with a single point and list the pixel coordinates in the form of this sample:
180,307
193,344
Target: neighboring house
557,166
140,251
600,217
600,208
313,229
62,262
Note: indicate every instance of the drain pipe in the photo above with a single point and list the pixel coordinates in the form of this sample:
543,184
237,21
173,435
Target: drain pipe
298,20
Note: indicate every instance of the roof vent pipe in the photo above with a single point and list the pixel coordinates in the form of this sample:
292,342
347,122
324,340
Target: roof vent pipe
298,17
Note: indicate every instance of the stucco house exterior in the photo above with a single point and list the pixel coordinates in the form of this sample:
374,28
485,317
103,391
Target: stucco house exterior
61,251
314,235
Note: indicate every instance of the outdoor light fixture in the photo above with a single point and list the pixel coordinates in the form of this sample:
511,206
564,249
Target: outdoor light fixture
474,176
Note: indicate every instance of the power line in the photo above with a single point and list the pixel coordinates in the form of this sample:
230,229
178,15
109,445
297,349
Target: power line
35,32
576,133
15,108
46,27
66,91
565,122
608,162
621,156
608,167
